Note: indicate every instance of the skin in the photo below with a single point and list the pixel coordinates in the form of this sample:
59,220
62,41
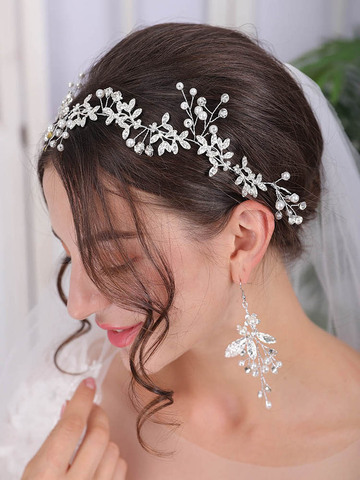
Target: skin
97,457
206,310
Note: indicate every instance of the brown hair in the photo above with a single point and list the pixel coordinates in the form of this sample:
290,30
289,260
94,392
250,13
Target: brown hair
269,121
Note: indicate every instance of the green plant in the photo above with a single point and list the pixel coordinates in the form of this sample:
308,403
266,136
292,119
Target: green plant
335,67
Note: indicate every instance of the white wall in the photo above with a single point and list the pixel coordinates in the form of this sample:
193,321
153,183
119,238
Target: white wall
23,100
293,27
74,44
286,27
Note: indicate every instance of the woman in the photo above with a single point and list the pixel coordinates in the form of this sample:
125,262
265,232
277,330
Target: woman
158,243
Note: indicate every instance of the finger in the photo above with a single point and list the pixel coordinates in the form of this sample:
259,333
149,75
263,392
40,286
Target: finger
106,468
93,447
57,450
120,470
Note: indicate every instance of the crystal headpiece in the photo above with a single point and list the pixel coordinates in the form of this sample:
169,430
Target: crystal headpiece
111,105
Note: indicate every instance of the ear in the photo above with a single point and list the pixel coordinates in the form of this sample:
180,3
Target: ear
249,231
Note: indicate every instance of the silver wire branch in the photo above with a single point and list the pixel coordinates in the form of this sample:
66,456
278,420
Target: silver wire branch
127,117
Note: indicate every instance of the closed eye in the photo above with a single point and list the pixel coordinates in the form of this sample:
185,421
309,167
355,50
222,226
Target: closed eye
66,260
116,268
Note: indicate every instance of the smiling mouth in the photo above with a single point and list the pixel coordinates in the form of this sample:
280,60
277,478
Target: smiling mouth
125,337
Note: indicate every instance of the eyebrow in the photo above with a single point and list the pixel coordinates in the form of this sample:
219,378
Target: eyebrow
107,235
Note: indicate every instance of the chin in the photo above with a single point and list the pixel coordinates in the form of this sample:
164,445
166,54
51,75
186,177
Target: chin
154,364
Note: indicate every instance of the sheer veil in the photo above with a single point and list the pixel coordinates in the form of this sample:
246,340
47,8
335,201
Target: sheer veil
326,279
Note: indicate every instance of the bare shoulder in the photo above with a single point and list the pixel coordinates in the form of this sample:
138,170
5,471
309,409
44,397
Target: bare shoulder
336,367
353,377
348,360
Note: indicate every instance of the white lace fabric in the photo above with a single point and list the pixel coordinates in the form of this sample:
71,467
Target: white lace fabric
36,390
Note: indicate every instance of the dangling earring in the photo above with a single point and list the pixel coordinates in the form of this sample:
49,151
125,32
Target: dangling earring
250,343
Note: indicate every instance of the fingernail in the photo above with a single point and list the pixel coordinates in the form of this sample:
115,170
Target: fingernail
90,383
63,408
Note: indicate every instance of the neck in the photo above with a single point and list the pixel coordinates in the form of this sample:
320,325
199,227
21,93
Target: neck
205,382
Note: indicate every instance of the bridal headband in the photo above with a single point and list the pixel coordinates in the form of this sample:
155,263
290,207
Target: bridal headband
110,104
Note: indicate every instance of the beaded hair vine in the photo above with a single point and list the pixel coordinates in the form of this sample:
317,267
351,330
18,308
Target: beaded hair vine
112,106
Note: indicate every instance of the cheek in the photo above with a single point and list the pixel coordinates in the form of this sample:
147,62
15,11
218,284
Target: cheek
199,302
201,291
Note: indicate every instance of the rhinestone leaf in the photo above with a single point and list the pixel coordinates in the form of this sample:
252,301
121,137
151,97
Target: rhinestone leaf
251,348
122,123
239,180
264,337
161,148
214,140
185,144
213,171
234,348
201,140
226,144
131,105
184,134
120,106
154,138
262,187
137,112
245,190
165,117
92,115
125,133
202,149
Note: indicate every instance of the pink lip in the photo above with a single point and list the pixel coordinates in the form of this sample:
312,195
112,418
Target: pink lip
106,326
121,339
125,338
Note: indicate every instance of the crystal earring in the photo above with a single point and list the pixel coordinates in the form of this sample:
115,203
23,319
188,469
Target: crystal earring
253,343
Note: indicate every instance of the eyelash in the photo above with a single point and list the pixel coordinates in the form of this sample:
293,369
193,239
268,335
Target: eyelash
66,260
126,266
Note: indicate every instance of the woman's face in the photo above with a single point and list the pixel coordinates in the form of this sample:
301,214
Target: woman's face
203,288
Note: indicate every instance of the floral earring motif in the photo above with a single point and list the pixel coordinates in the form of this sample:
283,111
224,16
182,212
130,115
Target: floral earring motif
254,344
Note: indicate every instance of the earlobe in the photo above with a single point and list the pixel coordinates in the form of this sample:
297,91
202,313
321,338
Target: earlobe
252,226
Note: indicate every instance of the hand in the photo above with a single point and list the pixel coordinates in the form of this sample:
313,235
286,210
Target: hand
96,458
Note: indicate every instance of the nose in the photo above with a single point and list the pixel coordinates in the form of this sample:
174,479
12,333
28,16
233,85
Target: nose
84,298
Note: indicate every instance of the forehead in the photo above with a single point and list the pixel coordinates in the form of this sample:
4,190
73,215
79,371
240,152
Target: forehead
55,193
60,210
158,221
